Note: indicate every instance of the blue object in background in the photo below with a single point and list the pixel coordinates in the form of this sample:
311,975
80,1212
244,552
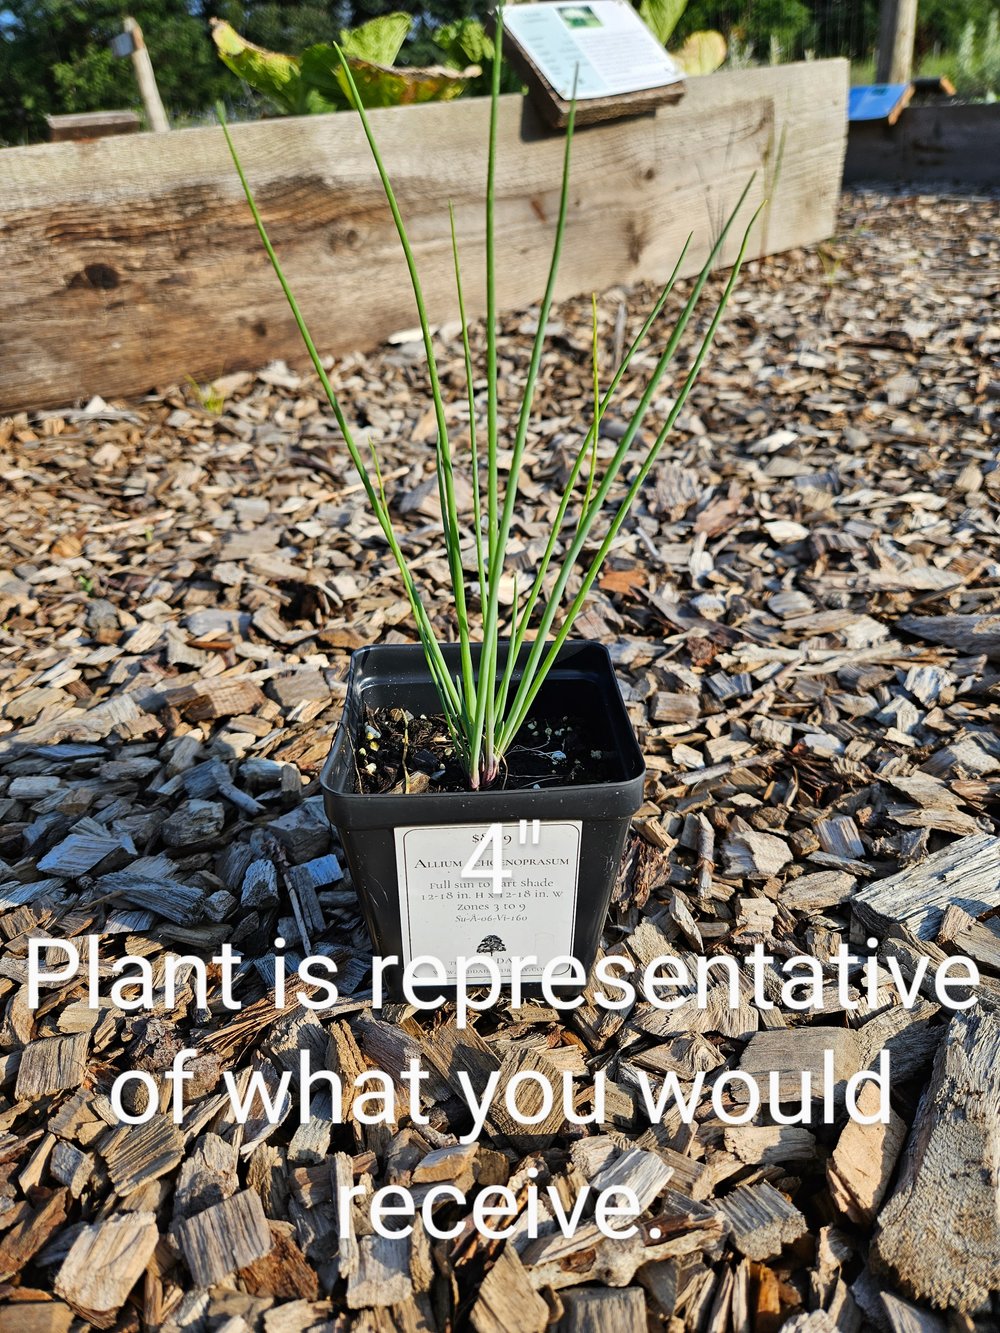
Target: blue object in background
878,101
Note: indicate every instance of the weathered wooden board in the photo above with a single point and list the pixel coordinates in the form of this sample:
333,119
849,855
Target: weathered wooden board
132,262
92,125
103,1264
965,873
762,1220
861,1167
939,1233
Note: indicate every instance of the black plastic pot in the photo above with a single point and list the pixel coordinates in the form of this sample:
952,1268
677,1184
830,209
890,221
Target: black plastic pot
390,840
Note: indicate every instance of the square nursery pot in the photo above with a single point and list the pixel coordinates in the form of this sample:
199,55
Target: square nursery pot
407,851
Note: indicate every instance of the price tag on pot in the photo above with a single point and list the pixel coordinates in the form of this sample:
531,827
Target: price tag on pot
503,890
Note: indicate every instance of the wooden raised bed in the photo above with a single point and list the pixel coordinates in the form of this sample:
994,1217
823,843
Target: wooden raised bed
134,262
933,145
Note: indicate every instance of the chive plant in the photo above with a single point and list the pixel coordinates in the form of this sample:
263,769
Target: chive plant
486,702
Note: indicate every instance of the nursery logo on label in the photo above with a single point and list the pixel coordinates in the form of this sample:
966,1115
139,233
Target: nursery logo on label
499,890
492,944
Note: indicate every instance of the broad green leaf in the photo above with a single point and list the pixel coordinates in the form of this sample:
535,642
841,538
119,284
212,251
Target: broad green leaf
320,64
464,42
315,81
277,76
378,40
702,53
662,17
381,86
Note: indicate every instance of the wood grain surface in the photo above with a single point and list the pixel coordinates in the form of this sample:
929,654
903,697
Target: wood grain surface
133,262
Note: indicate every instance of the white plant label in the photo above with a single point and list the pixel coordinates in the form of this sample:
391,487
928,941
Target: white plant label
502,890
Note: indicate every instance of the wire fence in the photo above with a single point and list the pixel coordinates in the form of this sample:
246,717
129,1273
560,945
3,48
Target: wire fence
956,38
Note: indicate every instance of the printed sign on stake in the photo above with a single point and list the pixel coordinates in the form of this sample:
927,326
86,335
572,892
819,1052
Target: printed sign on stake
603,50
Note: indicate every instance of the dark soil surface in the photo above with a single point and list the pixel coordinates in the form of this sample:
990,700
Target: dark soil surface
397,752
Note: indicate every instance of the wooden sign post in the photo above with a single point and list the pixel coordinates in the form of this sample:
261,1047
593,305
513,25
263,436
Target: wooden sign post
897,30
130,43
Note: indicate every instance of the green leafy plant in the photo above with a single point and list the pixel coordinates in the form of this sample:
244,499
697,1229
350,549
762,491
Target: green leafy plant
465,43
701,53
485,707
322,77
977,63
662,16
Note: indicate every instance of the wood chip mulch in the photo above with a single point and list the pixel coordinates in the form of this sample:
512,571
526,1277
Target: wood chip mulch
805,617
